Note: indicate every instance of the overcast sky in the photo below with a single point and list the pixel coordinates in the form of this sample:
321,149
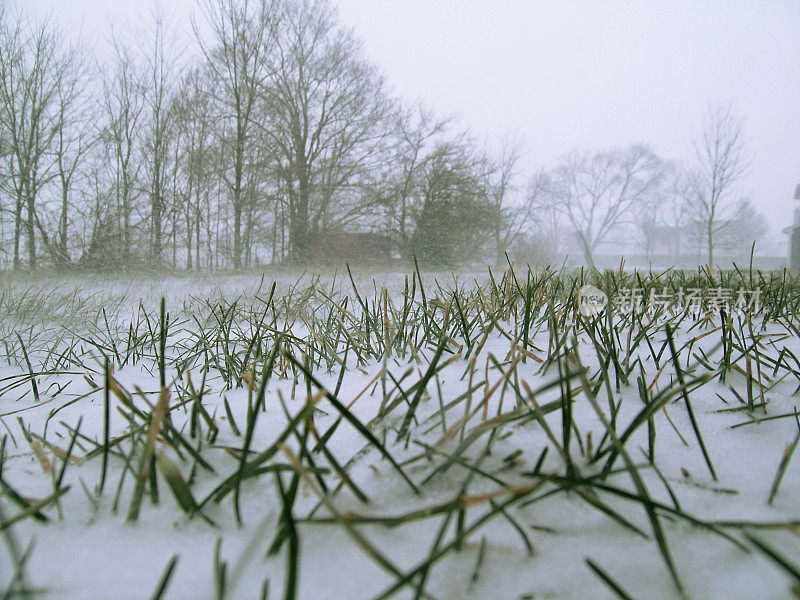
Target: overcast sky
570,74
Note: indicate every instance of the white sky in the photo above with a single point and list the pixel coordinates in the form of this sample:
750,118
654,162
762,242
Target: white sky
578,74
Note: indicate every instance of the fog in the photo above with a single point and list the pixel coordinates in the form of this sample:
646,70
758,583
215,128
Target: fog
564,76
581,74
399,298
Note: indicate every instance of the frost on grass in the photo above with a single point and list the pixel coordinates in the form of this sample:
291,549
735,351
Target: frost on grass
409,437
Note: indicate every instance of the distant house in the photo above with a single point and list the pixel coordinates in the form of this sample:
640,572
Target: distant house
794,236
359,248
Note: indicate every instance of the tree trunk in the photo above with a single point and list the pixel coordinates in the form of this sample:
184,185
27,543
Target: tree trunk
238,172
274,232
189,232
63,225
710,246
17,231
31,233
156,221
126,220
587,251
498,245
298,231
197,238
298,226
237,234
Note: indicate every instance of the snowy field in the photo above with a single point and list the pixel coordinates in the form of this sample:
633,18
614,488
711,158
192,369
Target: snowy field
393,436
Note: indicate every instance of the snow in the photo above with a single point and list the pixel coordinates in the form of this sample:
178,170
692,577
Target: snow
88,551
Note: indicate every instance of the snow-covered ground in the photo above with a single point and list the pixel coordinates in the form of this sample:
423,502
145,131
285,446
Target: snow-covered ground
467,444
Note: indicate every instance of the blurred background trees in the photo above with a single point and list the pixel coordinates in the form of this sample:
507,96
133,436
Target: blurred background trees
273,134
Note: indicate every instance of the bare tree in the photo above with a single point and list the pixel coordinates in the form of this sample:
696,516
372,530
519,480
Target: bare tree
31,66
509,218
748,226
541,237
162,77
325,109
194,153
75,139
722,161
52,132
651,215
596,192
123,104
675,214
239,58
417,134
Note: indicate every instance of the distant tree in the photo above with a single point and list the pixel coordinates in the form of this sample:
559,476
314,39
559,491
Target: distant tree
509,217
747,227
675,213
541,239
417,133
122,105
326,111
75,139
162,76
596,193
31,65
241,63
722,161
455,220
195,152
64,150
647,221
661,217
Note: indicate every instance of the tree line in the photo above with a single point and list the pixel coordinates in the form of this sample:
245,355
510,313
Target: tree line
272,128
